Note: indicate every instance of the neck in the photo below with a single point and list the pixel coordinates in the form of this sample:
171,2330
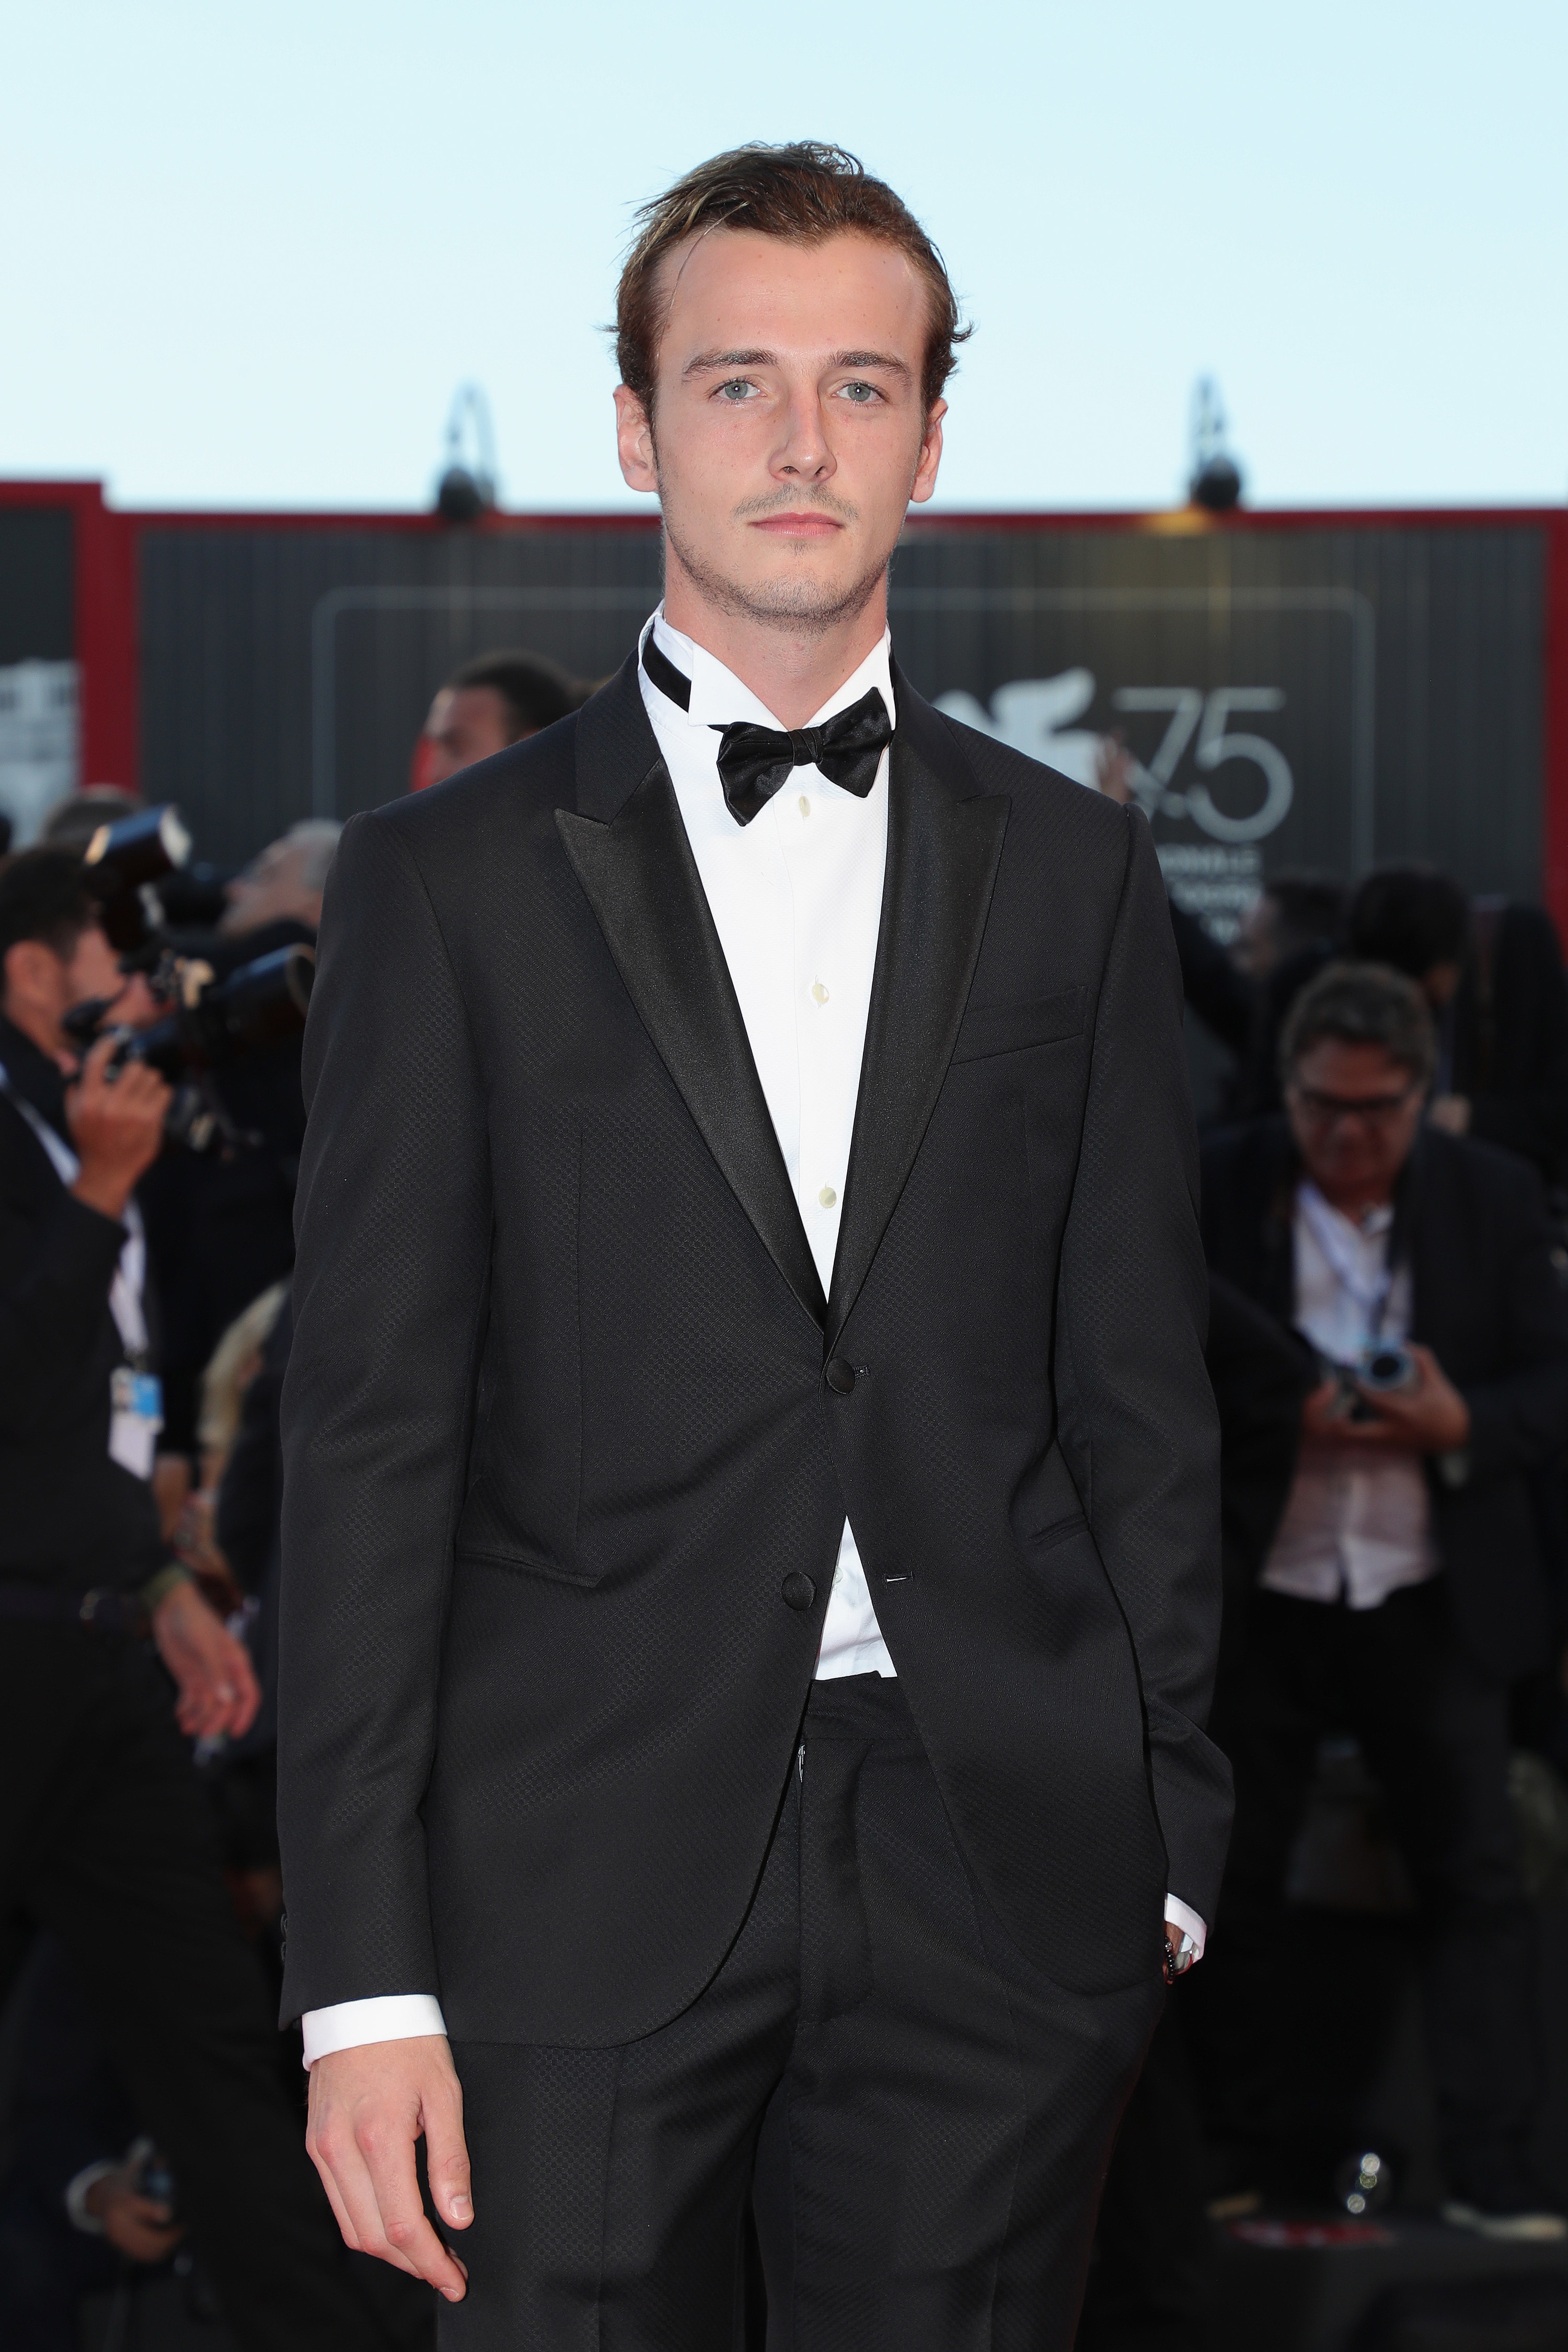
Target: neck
791,669
1354,1201
35,1027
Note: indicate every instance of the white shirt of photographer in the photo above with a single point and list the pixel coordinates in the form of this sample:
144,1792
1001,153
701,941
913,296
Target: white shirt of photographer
796,899
1358,1523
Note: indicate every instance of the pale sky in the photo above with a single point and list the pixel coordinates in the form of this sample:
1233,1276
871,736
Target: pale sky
248,254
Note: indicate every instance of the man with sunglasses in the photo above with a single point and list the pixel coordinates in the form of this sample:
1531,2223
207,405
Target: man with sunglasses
1405,1589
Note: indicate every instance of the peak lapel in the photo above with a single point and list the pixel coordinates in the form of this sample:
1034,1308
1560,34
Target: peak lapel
640,878
943,845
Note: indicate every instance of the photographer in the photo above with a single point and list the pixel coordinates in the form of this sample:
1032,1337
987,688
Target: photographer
104,1837
1404,1590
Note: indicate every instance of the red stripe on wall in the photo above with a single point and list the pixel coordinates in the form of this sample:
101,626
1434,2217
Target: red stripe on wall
106,643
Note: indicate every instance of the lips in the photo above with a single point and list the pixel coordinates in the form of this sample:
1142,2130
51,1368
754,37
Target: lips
799,526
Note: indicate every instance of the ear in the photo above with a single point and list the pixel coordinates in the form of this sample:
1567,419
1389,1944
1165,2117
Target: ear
925,482
634,441
30,969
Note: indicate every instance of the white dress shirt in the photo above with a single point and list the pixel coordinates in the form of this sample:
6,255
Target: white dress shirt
1357,1526
796,899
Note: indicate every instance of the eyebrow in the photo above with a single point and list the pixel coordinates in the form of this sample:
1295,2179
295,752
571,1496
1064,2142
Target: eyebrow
707,361
888,360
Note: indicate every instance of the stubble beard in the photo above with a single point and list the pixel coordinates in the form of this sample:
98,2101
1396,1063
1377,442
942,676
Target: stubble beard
797,608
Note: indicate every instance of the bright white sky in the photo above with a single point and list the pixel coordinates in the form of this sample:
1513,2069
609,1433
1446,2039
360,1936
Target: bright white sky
247,252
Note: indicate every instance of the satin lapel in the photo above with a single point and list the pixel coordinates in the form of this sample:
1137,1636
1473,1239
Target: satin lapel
943,847
641,880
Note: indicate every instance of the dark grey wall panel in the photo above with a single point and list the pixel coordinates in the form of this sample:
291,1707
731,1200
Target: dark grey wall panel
1387,682
37,578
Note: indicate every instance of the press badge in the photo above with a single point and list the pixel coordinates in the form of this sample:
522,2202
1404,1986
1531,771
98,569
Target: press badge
135,1417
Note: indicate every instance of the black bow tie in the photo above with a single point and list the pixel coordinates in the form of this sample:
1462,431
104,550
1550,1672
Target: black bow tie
754,761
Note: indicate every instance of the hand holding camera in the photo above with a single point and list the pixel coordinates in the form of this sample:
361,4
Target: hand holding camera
116,1120
1399,1396
133,2206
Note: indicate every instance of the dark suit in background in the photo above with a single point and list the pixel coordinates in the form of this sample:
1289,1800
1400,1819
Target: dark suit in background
1508,1035
571,1433
105,1835
1422,1678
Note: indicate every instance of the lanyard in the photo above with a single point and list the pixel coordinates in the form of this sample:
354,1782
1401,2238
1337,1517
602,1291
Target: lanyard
125,1293
1370,1291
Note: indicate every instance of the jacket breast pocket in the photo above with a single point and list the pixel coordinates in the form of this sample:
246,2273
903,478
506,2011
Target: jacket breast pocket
990,1029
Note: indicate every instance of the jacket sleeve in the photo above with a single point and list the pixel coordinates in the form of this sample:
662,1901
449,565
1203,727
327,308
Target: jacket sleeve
56,1270
1138,1422
1520,1420
394,1223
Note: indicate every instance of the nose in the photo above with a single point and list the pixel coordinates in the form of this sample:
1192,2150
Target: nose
804,454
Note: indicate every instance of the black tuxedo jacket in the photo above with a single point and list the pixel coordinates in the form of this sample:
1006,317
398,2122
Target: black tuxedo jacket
1489,1297
571,1430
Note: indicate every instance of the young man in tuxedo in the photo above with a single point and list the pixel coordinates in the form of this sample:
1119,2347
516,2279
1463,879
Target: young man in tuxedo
751,1518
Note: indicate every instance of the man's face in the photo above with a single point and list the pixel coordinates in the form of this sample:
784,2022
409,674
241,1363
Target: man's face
271,889
789,433
465,723
42,987
1354,1112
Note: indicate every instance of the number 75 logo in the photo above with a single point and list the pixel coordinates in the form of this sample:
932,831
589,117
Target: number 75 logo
1209,715
1034,716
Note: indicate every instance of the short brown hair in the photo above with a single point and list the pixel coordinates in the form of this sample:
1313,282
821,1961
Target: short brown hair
804,192
1362,1004
535,690
44,898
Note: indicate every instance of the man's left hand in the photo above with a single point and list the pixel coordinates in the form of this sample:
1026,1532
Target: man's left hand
217,1686
1430,1418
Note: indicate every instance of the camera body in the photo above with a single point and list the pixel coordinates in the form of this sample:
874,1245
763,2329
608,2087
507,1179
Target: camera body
122,866
1384,1366
210,1023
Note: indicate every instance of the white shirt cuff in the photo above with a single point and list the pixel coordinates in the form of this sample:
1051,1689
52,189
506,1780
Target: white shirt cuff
348,2024
1181,1914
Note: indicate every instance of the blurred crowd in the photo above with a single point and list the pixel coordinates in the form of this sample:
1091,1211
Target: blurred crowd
1385,1216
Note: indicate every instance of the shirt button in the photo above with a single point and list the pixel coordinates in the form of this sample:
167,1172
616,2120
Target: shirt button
827,1196
818,990
805,805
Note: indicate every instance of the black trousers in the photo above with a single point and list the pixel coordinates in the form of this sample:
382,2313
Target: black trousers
922,2120
1435,1735
105,1837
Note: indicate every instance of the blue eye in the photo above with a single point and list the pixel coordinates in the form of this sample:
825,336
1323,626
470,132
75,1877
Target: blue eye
735,391
861,393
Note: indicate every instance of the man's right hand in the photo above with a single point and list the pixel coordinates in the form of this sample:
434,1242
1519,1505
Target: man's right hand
368,2107
117,1126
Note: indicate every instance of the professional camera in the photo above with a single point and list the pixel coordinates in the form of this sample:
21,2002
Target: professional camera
1384,1367
210,1023
129,866
122,866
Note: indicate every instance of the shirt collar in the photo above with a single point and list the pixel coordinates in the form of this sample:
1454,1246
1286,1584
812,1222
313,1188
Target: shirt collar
1370,1227
719,697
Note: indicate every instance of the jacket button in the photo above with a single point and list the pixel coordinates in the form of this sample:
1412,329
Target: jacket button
840,1375
799,1592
